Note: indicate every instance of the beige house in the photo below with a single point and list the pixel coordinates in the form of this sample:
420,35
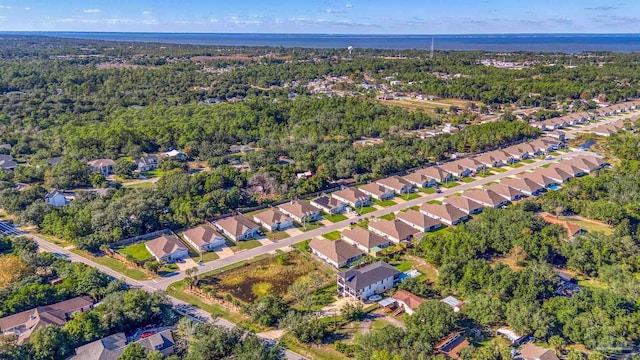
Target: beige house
365,240
508,192
300,211
445,213
167,248
353,197
336,253
465,204
238,227
273,220
378,192
418,220
486,197
397,184
394,230
204,238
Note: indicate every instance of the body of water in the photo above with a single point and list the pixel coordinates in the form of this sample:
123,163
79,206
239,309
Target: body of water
568,43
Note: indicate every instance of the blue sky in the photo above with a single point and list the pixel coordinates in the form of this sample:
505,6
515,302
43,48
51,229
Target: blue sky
323,16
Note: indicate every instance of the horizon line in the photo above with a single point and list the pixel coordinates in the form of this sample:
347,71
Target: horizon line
305,33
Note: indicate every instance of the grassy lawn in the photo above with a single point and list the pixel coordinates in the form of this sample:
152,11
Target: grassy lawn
437,202
450,184
277,235
467,179
137,251
588,225
410,196
115,265
303,246
324,352
152,174
498,170
385,203
334,218
208,256
555,153
309,226
366,210
547,165
247,244
484,174
378,324
390,216
528,161
516,165
403,265
428,190
333,236
168,269
142,185
416,207
177,290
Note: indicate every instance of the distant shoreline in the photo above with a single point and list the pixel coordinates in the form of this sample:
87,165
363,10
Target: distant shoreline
562,42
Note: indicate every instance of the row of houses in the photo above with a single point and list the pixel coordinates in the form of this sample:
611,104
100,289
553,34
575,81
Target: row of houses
583,117
144,164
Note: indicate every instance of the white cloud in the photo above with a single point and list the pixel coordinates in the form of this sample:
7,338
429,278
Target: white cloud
146,12
5,7
348,6
92,11
27,8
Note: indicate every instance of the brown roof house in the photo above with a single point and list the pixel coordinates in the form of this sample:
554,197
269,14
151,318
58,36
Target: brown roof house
370,280
495,158
204,238
394,230
587,164
525,185
452,345
365,240
353,197
572,229
532,352
102,166
540,178
508,192
446,213
407,301
300,211
167,248
467,205
329,205
418,220
238,227
486,197
23,324
377,192
456,169
273,220
436,173
419,179
337,253
556,174
397,184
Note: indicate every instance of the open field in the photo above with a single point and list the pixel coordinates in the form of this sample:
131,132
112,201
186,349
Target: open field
429,106
115,265
138,251
589,226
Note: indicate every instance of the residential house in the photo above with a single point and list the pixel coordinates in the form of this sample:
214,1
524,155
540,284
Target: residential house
329,204
102,166
556,174
300,211
525,185
238,227
486,197
175,154
569,168
370,280
234,149
407,301
24,323
337,253
167,248
571,228
531,351
453,303
467,205
352,196
365,240
605,130
511,335
496,158
545,145
394,230
418,220
446,213
557,134
540,179
472,164
436,173
452,345
377,192
587,164
273,220
204,238
397,184
147,163
508,192
419,179
54,161
7,163
112,347
456,169
519,151
58,198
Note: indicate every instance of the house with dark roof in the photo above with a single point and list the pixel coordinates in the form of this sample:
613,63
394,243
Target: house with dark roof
337,253
370,280
418,220
54,161
238,227
452,345
7,163
394,230
353,197
466,205
329,205
167,248
24,323
378,192
300,211
58,198
204,238
112,347
365,240
273,220
147,163
445,213
102,166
